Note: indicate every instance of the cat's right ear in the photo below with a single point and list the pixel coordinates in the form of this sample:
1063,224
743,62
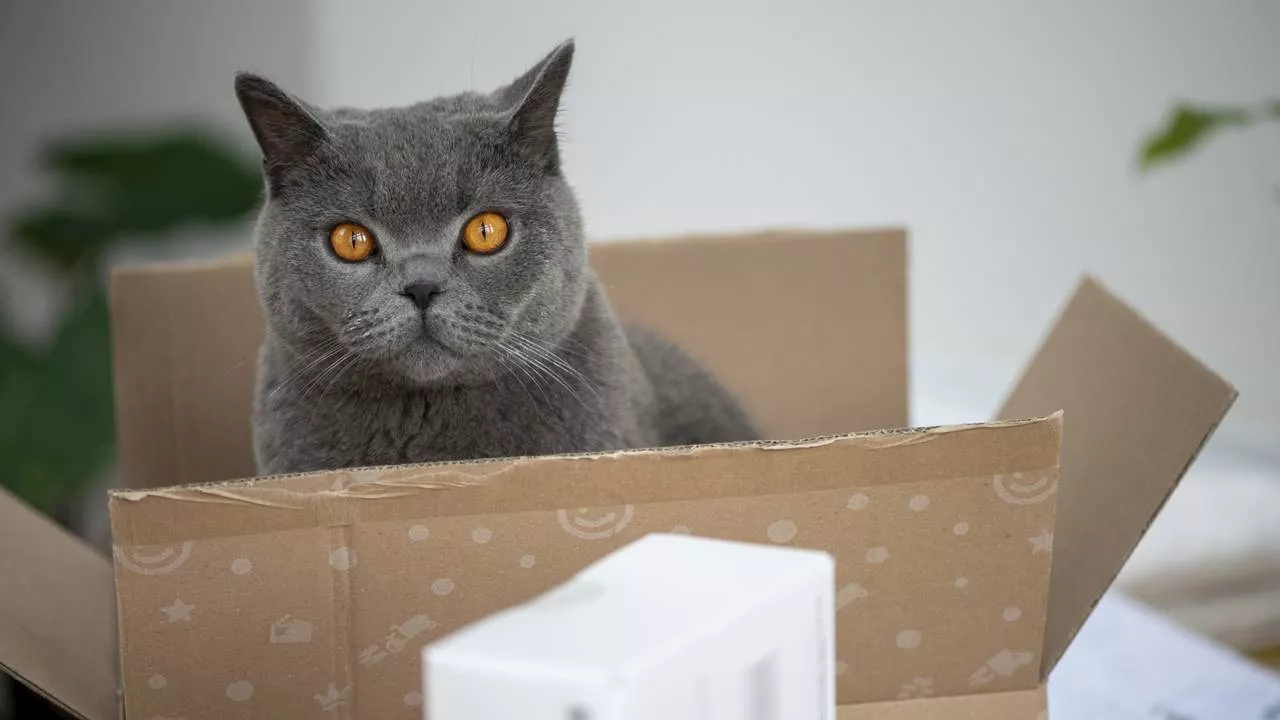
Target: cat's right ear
287,130
534,100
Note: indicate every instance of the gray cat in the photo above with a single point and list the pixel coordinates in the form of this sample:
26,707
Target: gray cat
425,284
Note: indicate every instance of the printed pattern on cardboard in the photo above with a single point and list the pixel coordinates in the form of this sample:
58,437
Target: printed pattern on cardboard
941,590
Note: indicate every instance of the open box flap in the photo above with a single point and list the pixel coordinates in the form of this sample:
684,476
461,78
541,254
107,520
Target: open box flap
57,614
186,338
1138,410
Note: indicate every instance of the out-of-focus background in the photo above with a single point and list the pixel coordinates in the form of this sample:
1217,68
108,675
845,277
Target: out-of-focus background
1005,134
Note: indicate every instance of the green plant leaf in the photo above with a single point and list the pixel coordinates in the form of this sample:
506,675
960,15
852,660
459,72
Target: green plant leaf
1187,127
114,189
57,427
62,236
153,183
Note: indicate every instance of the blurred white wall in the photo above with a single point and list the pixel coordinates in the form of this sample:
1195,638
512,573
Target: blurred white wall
1001,132
134,64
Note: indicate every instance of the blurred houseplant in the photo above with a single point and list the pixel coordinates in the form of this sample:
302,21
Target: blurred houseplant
57,431
1190,125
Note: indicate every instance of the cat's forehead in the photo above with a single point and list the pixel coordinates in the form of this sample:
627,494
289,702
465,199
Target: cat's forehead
427,157
449,122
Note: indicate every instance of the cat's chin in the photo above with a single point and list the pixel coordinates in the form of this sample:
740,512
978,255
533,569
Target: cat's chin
428,363
431,364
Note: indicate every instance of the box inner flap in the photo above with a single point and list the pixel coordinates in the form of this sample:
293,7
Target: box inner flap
1138,410
57,613
809,328
186,339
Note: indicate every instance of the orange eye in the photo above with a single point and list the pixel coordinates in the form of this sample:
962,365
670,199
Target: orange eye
485,233
352,242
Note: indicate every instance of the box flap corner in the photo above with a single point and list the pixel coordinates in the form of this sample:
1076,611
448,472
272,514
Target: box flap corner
1138,409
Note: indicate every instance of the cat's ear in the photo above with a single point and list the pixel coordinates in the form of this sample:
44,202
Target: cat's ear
533,100
286,129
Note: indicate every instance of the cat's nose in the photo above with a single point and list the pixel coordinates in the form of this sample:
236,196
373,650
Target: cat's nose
421,292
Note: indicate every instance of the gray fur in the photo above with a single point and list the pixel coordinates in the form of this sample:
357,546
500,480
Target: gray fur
521,353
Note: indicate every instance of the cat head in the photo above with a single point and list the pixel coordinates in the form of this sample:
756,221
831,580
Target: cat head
427,244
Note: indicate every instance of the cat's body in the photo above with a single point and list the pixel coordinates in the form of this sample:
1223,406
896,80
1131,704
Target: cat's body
514,352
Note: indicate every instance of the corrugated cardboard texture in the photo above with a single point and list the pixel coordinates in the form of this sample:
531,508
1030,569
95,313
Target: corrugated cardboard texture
1020,705
1138,409
293,596
186,339
57,630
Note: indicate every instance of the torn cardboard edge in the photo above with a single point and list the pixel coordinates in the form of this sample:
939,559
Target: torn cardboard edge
870,439
350,496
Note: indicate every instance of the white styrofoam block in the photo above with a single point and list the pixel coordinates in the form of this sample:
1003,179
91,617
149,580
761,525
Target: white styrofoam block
670,627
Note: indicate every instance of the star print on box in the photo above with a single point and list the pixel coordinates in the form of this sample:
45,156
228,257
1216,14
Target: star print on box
1042,543
178,612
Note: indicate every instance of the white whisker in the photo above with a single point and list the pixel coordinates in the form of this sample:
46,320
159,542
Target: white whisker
511,370
530,370
354,359
323,375
556,361
324,351
532,360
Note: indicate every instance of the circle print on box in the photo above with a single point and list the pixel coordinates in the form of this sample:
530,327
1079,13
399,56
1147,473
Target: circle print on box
154,560
596,523
1017,489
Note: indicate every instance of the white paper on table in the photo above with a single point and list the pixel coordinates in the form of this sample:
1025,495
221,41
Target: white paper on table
1129,662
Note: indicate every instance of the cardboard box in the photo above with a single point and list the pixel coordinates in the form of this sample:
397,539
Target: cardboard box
698,629
309,595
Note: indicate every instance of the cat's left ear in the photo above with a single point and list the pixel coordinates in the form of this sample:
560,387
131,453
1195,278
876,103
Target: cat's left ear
533,100
286,129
